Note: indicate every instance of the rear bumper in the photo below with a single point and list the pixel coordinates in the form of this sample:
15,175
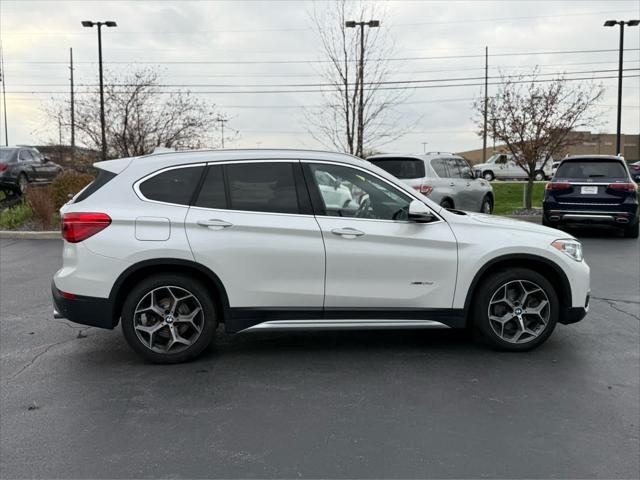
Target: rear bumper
625,215
93,311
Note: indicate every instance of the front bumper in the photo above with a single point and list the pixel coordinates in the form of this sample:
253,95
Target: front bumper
575,314
93,311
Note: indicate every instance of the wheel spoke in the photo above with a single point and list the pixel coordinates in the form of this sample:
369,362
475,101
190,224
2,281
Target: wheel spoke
190,319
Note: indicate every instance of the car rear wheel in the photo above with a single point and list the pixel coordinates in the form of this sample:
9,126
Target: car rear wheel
169,318
516,309
22,184
488,176
632,231
487,205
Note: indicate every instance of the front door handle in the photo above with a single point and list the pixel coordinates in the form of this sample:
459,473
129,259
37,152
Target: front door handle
214,224
347,232
452,184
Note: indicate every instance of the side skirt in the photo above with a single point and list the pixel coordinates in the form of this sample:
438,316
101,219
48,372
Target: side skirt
242,319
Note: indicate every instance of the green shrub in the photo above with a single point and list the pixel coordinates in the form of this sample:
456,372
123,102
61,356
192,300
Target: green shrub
14,217
67,184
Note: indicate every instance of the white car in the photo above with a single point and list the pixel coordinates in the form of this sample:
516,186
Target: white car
503,166
172,245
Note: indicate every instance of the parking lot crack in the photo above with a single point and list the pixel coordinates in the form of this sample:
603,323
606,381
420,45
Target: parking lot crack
612,304
34,359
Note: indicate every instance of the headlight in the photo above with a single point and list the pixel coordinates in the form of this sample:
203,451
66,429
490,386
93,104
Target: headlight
573,248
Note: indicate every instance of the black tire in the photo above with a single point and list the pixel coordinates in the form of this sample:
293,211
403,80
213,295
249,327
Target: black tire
632,230
446,203
21,184
539,175
487,205
492,285
179,281
488,176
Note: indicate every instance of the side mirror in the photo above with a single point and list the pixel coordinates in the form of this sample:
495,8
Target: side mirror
45,159
420,213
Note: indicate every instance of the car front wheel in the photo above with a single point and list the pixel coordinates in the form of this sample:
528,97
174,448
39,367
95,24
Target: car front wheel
538,176
488,176
169,318
487,205
516,309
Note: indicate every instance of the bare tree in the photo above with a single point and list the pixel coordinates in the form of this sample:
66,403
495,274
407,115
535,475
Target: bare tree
140,117
535,118
340,123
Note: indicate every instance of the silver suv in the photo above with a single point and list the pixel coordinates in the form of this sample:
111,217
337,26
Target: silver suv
445,178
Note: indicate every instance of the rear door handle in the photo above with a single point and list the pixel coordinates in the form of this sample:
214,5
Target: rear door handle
214,223
347,232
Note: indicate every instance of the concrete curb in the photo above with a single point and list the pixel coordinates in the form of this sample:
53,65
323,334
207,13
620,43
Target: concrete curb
18,235
54,234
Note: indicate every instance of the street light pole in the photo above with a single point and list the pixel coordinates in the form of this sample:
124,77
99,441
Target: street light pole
89,24
622,23
353,24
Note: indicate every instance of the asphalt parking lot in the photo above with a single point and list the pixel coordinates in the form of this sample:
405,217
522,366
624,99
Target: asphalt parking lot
76,402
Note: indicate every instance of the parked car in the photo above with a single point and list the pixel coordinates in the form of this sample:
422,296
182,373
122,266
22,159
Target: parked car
173,244
554,167
20,166
503,166
594,189
446,179
634,170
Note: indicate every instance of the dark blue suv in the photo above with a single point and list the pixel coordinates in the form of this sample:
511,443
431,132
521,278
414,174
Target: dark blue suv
595,189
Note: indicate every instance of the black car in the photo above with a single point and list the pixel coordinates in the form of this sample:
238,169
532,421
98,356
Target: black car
595,189
20,166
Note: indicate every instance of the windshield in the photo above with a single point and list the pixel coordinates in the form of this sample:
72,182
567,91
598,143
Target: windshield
591,169
6,153
401,167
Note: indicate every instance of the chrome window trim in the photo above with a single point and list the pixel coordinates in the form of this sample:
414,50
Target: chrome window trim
136,189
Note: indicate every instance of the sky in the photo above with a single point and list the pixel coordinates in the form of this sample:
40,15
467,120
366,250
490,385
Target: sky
245,43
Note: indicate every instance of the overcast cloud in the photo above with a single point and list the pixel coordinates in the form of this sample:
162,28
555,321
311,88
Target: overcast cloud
43,31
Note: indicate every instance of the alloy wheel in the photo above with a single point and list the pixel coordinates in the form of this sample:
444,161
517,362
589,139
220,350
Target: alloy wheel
168,319
486,206
519,311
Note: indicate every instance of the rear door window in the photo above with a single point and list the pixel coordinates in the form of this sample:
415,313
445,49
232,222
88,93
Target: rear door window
591,170
212,193
440,167
405,168
454,167
262,187
172,186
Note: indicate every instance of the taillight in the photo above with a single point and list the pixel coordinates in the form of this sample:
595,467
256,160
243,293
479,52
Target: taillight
424,189
77,227
627,187
3,167
558,186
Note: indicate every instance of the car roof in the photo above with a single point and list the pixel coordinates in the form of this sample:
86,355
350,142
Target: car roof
593,158
421,156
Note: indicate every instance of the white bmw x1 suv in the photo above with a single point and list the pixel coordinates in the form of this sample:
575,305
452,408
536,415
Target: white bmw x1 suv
173,244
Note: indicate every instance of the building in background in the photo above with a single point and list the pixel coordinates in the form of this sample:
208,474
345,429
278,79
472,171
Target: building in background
586,143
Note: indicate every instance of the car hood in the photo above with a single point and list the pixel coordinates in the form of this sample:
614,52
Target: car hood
508,223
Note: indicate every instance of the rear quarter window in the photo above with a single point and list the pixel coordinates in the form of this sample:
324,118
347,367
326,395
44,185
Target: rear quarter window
591,169
175,186
101,180
405,168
